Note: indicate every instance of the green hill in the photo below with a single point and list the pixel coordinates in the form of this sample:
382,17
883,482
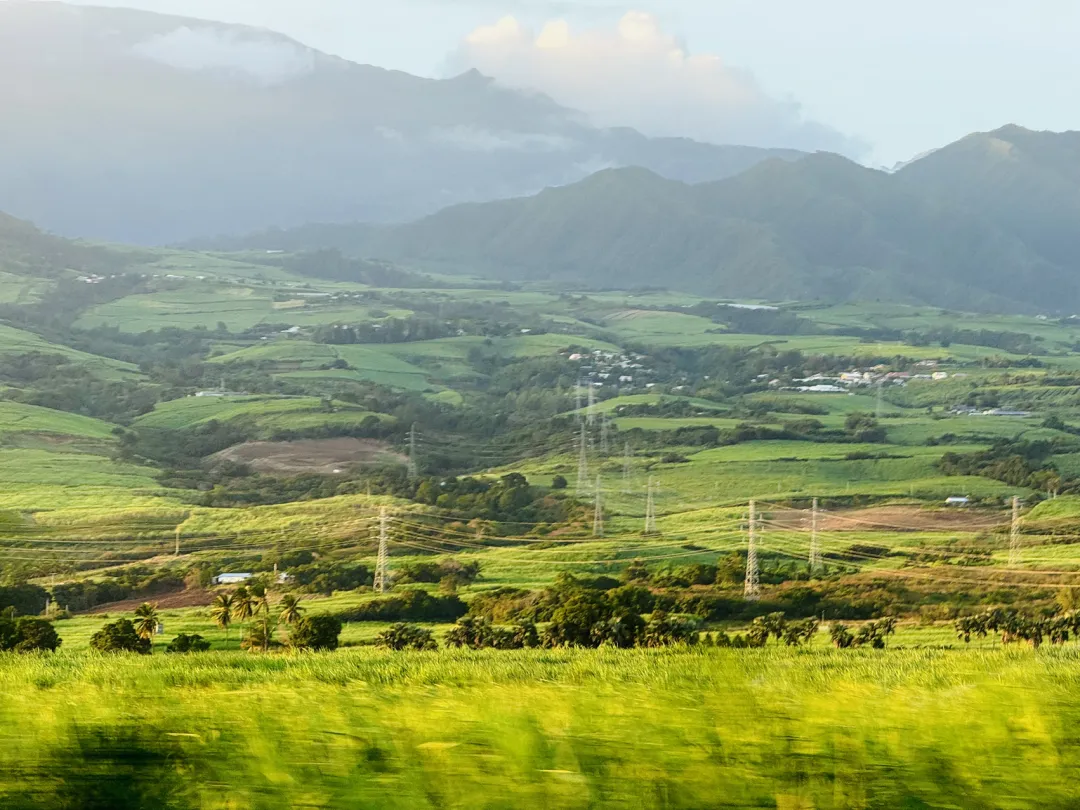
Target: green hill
986,224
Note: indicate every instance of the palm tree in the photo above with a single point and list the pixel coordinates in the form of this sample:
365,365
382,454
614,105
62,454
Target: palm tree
222,613
243,605
262,608
146,623
290,609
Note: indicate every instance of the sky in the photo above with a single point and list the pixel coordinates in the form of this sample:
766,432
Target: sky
880,82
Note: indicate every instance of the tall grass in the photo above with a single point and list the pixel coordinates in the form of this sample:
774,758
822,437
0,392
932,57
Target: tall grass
544,729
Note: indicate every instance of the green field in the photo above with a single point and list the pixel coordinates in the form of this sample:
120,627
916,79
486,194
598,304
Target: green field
266,413
545,729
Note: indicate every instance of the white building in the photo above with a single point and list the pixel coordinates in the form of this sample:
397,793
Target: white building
231,579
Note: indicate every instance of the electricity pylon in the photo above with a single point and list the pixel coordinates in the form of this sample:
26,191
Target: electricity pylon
626,467
815,543
598,513
604,434
650,511
591,416
1014,535
583,462
413,468
381,577
752,586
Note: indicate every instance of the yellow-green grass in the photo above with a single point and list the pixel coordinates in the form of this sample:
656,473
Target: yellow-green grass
776,470
612,405
15,289
675,729
69,470
300,359
16,418
268,413
18,341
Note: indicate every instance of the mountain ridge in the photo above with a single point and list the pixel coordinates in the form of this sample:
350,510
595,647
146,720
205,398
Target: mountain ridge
942,232
162,128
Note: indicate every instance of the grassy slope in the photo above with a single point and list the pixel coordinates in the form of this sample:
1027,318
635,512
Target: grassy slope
268,413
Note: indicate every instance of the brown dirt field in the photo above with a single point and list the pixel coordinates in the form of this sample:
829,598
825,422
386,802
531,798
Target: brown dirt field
318,456
897,518
169,601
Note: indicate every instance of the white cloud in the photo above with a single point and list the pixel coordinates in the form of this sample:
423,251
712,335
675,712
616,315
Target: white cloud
270,60
473,139
640,76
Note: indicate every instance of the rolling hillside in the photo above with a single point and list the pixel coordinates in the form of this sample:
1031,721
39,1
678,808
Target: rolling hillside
955,230
190,128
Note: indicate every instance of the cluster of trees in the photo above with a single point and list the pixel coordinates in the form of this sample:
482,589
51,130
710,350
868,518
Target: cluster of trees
871,634
410,605
1015,626
450,573
249,607
27,634
1015,462
510,499
136,582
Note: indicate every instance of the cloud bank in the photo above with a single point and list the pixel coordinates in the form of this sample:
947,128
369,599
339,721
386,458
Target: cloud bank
269,60
643,77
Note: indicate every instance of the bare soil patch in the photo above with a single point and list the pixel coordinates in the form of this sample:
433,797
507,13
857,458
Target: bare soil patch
196,597
896,518
311,456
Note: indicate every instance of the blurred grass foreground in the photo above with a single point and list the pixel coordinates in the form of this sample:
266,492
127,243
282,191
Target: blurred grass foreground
690,728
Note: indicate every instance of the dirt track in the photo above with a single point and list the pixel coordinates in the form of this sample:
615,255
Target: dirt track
169,601
318,456
896,518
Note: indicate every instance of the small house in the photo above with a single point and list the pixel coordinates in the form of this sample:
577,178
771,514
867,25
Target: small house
231,579
958,500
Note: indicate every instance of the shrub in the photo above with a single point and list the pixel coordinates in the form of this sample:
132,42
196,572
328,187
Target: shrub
406,637
184,643
408,606
36,635
120,636
664,631
318,632
27,635
480,633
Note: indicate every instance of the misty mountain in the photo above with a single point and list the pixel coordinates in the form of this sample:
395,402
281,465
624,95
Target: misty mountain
139,127
988,224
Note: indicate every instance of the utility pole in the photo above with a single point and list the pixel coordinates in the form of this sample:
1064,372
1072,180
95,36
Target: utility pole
815,546
752,587
881,400
1014,534
650,511
583,462
177,552
381,578
626,466
413,469
591,416
598,513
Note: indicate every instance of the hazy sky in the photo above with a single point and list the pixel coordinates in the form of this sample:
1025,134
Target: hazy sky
880,81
